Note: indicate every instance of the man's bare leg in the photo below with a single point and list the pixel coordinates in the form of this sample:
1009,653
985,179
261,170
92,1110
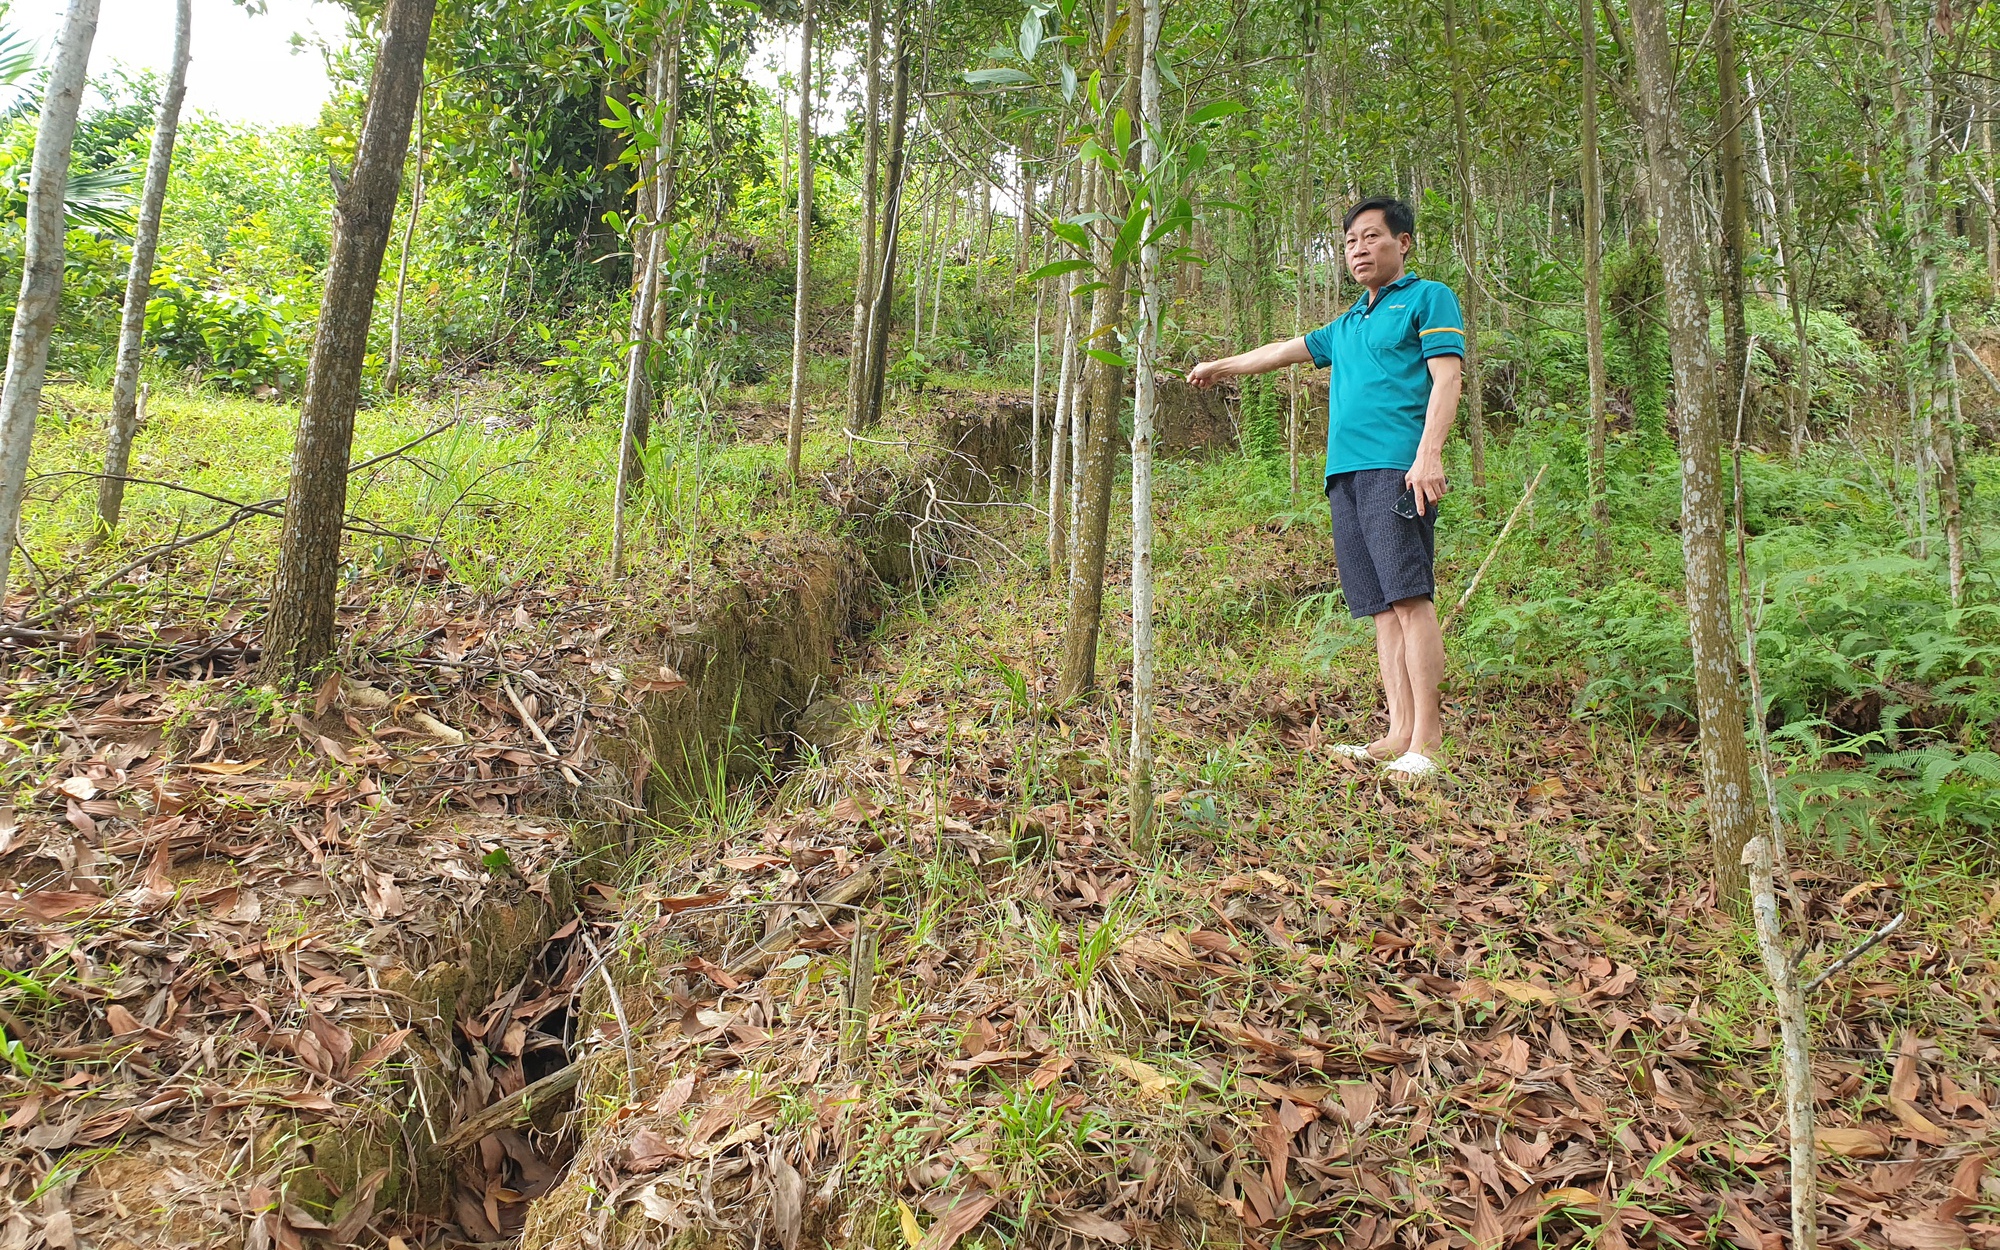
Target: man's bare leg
1421,649
1389,653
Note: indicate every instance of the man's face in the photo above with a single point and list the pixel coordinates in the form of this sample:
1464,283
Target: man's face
1374,255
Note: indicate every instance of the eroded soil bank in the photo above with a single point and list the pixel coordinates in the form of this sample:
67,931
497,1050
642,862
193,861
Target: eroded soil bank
304,971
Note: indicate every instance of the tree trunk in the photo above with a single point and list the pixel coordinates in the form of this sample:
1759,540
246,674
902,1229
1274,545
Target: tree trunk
1735,233
41,270
1079,385
123,422
871,159
1593,294
1086,585
1468,233
1035,398
1059,432
392,371
1927,359
647,242
885,287
1141,798
298,633
802,266
1725,764
666,184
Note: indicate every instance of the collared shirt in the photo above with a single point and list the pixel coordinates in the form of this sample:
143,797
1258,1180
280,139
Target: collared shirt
1380,387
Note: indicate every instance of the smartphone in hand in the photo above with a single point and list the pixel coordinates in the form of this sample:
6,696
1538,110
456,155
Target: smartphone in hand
1406,506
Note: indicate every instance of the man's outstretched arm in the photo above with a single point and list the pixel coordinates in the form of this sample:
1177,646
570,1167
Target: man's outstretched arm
1265,359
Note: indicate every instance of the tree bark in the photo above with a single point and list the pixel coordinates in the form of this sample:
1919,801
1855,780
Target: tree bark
885,287
802,265
123,423
1141,797
864,278
392,370
666,183
298,633
1725,764
1735,233
1106,381
1593,291
1468,233
41,270
635,427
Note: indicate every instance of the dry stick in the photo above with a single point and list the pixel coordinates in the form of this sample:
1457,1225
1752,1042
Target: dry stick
860,993
1978,364
1492,551
617,1011
514,1109
1841,965
1764,856
535,728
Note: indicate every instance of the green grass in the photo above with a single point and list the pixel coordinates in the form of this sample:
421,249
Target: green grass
494,504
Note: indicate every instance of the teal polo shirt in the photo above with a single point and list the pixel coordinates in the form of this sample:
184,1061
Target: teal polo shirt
1380,387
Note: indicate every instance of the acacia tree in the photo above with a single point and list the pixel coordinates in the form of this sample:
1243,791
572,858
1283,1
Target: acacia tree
1141,801
1725,764
802,266
1104,379
119,427
298,633
41,269
1593,281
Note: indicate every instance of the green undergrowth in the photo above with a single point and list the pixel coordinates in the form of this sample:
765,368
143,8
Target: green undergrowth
1883,698
500,494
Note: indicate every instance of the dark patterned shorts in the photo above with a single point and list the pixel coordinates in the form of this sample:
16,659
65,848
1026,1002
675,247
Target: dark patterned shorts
1383,558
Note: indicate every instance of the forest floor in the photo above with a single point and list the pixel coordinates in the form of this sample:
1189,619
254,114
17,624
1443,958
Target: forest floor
1331,1009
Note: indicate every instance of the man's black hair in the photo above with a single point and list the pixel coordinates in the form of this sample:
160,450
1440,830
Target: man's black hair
1401,217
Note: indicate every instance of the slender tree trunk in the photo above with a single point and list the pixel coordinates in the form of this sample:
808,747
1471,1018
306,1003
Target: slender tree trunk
802,266
1079,384
1468,233
1086,587
666,184
1035,398
885,289
1593,292
1141,799
1986,145
1735,240
1944,427
647,241
123,423
513,243
298,633
392,371
1927,358
1725,765
1059,433
871,159
41,270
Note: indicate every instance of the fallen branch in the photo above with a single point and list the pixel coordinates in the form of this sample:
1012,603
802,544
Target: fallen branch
864,880
1492,551
1978,364
1841,965
514,1109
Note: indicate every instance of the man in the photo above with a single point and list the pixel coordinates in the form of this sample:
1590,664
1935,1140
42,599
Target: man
1397,359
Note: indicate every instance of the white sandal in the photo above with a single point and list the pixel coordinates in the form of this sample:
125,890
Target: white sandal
1352,751
1412,765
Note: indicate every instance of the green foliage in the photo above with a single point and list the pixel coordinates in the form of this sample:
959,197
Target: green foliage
238,341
